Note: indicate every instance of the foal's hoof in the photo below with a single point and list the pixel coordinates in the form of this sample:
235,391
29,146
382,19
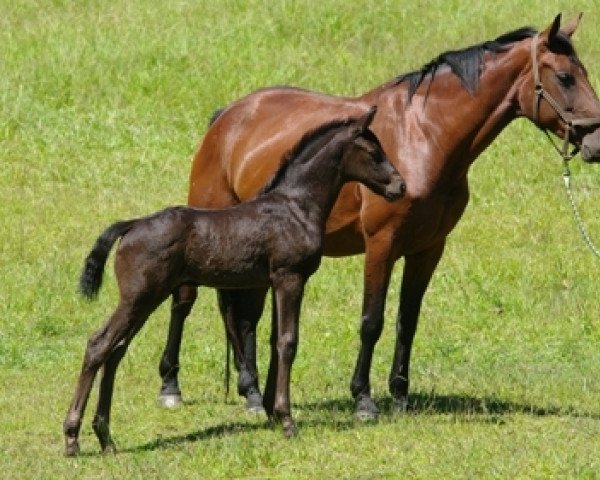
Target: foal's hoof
366,410
254,402
71,447
170,400
289,429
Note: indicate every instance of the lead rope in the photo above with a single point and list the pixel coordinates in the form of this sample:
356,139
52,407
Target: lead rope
539,93
578,219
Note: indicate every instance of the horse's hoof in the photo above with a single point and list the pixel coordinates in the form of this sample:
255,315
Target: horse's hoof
254,402
170,400
110,448
366,410
400,405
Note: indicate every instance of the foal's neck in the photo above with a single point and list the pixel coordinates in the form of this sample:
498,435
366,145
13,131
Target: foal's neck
314,185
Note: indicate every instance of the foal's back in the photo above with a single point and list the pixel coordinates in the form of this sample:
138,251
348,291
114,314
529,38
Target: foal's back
224,248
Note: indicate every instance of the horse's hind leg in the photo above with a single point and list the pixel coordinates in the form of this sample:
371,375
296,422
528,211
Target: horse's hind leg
241,311
183,300
99,347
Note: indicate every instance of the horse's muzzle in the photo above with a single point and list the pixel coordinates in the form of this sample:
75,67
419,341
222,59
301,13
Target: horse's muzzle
395,189
590,147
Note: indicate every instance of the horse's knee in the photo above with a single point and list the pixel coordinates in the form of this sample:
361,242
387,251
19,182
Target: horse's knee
370,329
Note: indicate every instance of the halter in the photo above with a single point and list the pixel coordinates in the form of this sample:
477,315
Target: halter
567,117
539,93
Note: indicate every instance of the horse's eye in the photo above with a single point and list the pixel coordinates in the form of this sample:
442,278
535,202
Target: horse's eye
566,79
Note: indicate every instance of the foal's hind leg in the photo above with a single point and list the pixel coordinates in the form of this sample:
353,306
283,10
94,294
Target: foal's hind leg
101,420
241,310
100,346
183,300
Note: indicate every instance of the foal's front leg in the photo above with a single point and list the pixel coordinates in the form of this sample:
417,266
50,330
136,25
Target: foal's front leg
288,290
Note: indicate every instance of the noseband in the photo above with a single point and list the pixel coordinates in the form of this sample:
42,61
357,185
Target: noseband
566,116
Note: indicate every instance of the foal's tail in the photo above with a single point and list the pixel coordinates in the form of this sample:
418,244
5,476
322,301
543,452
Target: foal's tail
90,280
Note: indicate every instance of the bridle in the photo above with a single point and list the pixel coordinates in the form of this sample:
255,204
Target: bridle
566,116
571,124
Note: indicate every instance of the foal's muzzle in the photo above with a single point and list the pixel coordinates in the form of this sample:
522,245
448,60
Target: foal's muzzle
395,189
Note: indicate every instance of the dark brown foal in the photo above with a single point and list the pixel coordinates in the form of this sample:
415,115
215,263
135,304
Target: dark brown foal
275,241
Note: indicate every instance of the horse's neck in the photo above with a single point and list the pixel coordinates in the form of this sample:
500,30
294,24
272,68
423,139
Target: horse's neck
456,124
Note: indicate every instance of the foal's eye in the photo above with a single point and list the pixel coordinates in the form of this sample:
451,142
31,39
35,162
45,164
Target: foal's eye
566,79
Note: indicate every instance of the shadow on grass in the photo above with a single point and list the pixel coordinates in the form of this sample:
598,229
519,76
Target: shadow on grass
434,404
478,409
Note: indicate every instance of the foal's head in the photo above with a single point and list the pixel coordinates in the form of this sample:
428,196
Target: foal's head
363,159
349,147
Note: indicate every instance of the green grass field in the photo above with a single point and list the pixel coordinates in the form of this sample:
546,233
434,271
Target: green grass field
102,106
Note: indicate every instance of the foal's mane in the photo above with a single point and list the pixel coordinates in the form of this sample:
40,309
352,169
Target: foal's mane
467,64
304,150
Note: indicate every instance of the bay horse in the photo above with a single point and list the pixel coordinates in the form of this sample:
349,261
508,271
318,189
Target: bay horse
275,240
433,124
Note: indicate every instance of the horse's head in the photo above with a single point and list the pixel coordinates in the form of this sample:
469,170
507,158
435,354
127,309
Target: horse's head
365,161
557,95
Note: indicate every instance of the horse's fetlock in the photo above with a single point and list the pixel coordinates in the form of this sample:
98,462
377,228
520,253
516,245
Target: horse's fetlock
398,386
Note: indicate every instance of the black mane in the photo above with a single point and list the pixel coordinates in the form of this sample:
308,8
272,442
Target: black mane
303,150
467,64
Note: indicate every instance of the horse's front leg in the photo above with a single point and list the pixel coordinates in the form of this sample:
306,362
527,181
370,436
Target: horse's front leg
288,290
418,270
241,310
378,267
183,300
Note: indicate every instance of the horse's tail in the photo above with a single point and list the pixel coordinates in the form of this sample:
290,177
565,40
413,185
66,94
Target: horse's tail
90,280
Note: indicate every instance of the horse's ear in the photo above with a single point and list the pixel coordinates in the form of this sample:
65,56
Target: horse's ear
553,29
366,119
569,28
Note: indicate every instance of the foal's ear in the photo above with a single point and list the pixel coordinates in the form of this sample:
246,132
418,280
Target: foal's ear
364,121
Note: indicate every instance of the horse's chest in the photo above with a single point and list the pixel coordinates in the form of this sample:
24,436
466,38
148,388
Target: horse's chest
429,220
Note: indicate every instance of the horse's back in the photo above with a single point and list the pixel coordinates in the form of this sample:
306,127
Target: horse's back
244,145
